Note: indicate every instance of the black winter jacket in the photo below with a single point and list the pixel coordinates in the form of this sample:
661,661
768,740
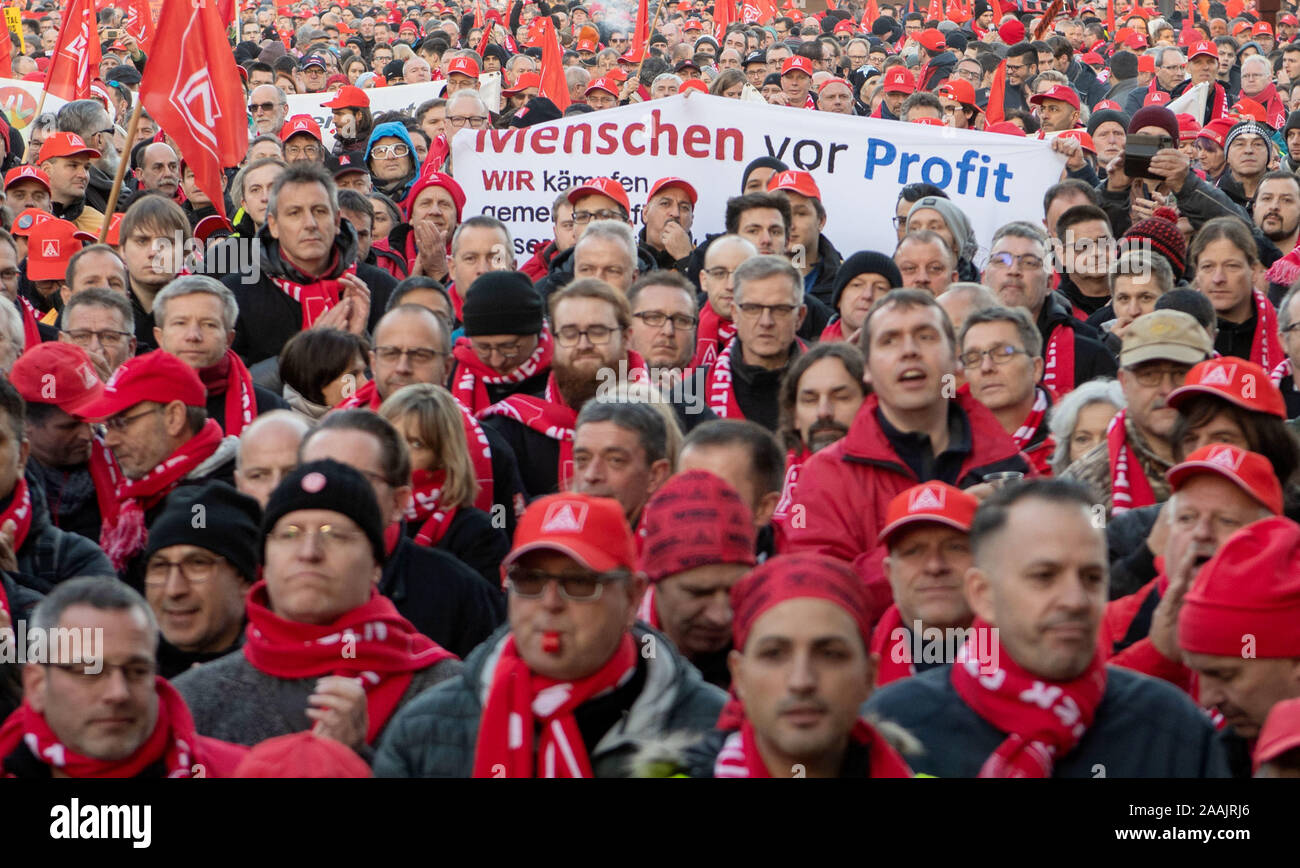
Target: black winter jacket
49,555
443,598
1091,358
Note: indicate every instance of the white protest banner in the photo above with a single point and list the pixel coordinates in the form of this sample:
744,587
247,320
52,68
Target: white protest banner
859,165
19,99
1192,102
403,98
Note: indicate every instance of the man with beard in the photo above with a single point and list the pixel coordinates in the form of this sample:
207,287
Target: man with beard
352,120
691,572
592,323
717,314
928,540
88,119
663,320
820,395
269,108
1276,209
159,170
669,213
1038,604
309,273
745,380
1002,357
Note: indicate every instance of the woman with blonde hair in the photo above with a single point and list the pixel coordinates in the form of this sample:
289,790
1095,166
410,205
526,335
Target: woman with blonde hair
445,487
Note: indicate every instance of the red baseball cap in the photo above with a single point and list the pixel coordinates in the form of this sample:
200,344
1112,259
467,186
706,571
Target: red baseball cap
157,376
1085,140
930,503
27,173
1091,58
50,245
300,124
794,181
1060,92
1188,128
1204,47
587,45
1108,104
694,519
1249,471
65,145
693,24
27,220
1261,28
929,122
821,87
523,82
1237,381
797,63
932,40
57,373
348,97
1281,730
605,187
693,84
1216,131
1250,108
466,66
959,90
680,183
899,79
1006,128
603,83
1287,18
844,27
1146,63
591,530
1157,98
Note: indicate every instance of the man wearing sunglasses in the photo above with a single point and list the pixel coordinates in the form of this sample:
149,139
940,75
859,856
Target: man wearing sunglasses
570,688
269,109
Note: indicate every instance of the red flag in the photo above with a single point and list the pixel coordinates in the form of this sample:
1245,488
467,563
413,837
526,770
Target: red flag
191,89
554,86
726,16
76,56
995,111
873,12
997,13
830,4
935,12
139,22
1110,18
641,33
6,57
226,12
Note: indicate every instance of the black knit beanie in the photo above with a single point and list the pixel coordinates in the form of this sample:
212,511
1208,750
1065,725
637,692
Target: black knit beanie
332,486
1100,117
212,516
865,262
502,303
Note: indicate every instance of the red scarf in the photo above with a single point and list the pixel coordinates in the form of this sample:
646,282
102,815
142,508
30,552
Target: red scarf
1025,433
722,386
833,332
385,651
520,701
473,376
123,533
173,741
107,477
740,756
365,398
31,316
1274,110
1265,347
317,297
883,642
1281,372
19,512
1058,361
1043,720
793,464
1129,486
647,611
713,332
231,378
426,507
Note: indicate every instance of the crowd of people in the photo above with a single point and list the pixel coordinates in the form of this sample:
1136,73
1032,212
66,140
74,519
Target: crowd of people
341,483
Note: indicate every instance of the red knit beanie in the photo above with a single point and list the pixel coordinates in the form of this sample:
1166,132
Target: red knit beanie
1161,229
1246,600
695,519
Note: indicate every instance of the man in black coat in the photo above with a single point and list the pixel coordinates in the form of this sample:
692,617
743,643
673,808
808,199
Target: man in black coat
1029,694
309,273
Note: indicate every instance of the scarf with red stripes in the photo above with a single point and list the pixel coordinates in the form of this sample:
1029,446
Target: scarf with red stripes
1266,346
1129,486
520,702
426,506
741,758
19,511
794,460
713,332
1043,720
1058,361
722,386
230,377
383,650
123,533
317,297
31,316
106,475
895,651
173,740
473,376
1025,433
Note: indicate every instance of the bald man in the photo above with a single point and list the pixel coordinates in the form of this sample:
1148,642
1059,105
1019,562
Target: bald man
268,450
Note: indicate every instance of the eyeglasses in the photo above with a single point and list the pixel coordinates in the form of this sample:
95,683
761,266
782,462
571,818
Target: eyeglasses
580,588
303,152
473,121
121,423
398,150
599,335
719,273
331,537
584,217
135,673
655,319
1026,261
1000,356
196,568
417,355
1155,376
753,310
255,107
505,351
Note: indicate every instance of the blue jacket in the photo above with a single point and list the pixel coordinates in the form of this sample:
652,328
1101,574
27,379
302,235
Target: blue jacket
395,129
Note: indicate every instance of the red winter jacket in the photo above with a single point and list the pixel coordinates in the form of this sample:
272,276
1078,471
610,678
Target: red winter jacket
844,490
540,264
1130,613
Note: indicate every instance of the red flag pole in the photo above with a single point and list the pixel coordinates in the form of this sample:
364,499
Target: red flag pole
111,206
636,76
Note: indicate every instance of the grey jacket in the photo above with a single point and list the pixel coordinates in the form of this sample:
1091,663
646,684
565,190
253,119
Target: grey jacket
234,702
49,555
435,736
